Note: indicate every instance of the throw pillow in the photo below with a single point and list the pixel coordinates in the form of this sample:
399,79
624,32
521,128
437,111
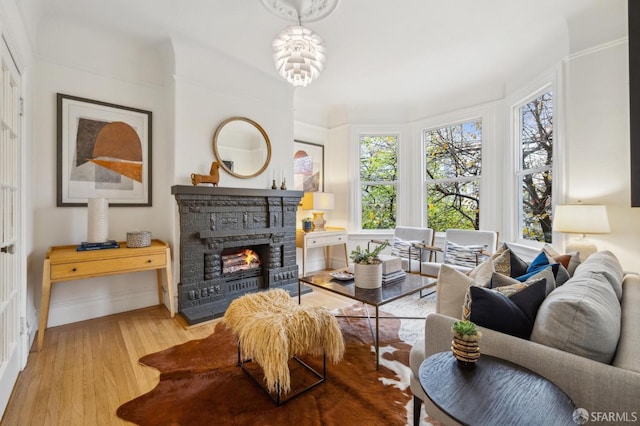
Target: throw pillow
483,272
511,309
451,288
498,281
571,264
456,254
581,317
402,248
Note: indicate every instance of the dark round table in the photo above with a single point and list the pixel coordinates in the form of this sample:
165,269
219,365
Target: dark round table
493,392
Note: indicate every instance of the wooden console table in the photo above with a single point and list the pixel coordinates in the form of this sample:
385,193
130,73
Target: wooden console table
65,263
324,239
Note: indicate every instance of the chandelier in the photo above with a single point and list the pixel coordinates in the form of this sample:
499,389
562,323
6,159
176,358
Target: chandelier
298,52
299,55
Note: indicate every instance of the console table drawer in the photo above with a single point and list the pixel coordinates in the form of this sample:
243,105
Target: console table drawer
326,240
68,271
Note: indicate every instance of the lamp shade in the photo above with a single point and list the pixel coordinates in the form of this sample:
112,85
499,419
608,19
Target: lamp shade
581,219
318,201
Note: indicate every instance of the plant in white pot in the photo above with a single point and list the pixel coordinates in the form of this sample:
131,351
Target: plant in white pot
367,268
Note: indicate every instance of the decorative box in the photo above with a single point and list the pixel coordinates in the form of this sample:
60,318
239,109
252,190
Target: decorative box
138,239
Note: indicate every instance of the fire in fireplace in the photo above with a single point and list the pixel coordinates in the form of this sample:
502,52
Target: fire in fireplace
240,261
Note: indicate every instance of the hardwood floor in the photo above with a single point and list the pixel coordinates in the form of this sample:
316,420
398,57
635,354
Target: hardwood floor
86,370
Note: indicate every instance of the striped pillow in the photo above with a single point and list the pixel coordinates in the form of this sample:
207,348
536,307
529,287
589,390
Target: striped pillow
400,248
456,254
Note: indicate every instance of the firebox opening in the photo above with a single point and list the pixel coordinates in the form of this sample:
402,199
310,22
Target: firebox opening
240,260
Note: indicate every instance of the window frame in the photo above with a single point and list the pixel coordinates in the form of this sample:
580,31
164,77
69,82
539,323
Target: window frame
550,81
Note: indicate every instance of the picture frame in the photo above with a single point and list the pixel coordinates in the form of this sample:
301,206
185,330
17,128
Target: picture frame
308,166
103,151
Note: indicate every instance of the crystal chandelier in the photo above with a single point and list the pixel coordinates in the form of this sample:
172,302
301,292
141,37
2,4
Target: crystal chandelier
299,55
298,52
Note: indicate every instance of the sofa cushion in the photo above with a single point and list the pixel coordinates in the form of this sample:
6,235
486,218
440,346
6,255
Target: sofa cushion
607,264
629,343
451,289
508,309
581,317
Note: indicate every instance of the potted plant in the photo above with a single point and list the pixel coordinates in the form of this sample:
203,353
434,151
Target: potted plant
367,268
307,224
465,345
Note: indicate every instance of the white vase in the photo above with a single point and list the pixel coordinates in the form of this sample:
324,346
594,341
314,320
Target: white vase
98,220
368,276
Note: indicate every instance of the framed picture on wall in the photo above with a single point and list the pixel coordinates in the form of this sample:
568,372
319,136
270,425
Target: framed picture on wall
104,151
308,166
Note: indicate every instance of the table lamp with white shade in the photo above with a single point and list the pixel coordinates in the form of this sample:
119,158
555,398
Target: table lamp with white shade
318,201
581,219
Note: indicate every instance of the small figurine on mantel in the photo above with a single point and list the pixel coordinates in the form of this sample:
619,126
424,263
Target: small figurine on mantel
213,177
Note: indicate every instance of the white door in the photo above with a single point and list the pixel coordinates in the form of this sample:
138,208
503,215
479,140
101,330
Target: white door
11,291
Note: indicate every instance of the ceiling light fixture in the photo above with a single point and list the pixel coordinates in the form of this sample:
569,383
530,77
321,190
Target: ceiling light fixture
298,52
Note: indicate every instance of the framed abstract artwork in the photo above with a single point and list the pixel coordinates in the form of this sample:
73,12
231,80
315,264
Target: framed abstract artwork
104,151
308,166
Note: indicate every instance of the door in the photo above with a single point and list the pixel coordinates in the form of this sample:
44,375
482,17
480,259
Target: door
11,291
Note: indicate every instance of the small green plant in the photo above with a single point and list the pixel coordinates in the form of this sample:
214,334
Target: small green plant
465,328
364,256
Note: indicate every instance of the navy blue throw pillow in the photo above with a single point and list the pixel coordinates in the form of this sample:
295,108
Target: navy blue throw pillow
512,315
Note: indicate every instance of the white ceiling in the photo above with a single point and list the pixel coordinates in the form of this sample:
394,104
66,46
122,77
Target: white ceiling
402,52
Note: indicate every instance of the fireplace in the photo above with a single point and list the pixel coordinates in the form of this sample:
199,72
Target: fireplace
233,241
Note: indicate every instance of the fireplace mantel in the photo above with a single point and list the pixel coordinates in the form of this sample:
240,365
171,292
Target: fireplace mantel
213,219
236,192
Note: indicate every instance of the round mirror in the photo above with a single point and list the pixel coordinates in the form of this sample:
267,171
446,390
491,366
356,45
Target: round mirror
242,147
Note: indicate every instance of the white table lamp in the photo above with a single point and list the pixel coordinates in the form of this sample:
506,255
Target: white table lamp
318,201
581,219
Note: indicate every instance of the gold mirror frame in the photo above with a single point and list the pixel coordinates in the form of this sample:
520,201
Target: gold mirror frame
219,157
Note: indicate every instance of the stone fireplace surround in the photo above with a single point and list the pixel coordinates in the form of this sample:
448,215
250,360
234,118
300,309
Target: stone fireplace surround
214,219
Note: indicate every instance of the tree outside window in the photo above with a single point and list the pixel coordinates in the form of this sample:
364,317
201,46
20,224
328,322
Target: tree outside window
453,160
378,180
535,168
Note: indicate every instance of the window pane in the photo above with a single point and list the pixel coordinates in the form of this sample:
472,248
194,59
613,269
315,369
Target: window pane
537,132
454,151
379,206
378,158
536,206
453,205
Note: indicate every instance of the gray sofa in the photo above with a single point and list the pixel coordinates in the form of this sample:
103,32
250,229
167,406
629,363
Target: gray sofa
600,373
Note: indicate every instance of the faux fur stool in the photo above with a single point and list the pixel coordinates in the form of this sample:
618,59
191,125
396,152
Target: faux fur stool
272,328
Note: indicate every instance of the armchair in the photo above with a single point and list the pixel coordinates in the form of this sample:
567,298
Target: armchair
463,250
407,244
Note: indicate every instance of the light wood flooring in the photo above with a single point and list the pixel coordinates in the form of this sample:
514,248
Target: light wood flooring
86,370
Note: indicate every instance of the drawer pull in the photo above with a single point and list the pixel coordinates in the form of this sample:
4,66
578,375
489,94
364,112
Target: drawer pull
149,261
73,270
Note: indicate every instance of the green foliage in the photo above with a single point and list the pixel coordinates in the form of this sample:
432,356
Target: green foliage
365,256
378,174
453,162
464,328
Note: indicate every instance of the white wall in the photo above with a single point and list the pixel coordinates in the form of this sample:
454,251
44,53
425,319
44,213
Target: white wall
598,144
86,62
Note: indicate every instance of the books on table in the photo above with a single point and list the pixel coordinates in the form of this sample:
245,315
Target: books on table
109,244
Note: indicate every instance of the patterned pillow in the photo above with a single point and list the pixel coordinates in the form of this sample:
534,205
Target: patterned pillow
510,309
569,260
456,254
400,248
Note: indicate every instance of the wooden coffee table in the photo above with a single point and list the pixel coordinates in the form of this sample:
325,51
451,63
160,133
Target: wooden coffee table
413,283
493,392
